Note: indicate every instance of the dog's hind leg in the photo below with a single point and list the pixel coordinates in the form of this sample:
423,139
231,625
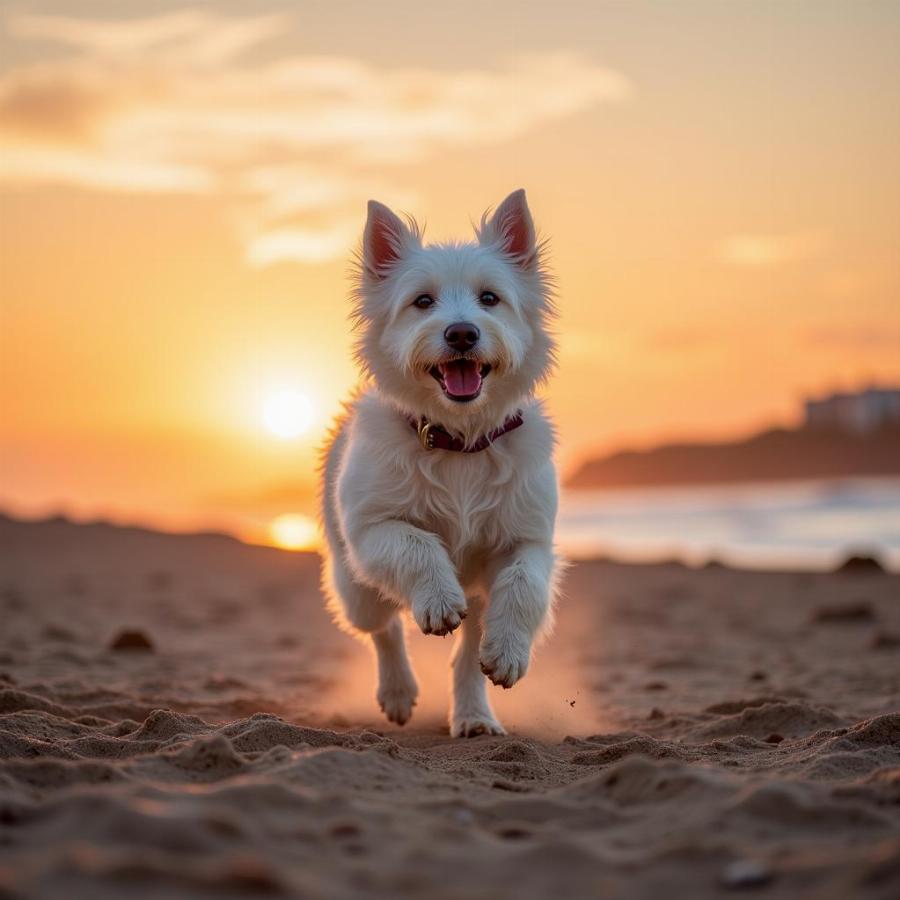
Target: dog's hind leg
397,688
471,713
362,609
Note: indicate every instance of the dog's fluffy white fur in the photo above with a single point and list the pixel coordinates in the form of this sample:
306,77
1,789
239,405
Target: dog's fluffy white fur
456,538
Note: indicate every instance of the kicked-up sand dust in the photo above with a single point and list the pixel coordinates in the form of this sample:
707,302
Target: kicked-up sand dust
179,719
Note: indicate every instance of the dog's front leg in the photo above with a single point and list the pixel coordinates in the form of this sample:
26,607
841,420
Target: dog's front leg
521,598
410,565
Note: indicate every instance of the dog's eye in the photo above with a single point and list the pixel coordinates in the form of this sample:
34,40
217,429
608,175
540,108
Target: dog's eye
489,298
423,301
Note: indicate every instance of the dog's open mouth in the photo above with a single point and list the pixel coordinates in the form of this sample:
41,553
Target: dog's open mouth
461,379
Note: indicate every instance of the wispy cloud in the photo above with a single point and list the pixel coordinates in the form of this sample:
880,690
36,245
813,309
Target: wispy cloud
192,36
300,244
192,101
767,250
116,172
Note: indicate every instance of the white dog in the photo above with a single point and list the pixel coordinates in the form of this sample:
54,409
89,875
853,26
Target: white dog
439,490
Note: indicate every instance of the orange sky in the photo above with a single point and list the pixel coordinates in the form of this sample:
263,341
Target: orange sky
181,188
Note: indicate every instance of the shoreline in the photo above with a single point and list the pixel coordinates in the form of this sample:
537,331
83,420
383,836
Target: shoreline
829,560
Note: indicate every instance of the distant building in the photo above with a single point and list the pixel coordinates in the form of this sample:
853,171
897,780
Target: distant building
860,413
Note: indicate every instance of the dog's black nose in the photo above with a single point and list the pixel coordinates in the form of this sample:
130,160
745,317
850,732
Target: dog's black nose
462,336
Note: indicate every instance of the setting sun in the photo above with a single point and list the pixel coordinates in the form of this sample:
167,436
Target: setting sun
293,531
288,413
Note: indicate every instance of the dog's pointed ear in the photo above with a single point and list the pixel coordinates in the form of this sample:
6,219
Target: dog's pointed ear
512,226
385,239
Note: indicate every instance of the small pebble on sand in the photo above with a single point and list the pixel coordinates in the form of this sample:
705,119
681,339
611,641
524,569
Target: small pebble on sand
131,639
853,611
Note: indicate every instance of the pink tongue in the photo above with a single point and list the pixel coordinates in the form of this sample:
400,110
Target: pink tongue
462,377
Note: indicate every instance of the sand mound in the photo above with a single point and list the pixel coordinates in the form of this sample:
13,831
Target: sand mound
783,718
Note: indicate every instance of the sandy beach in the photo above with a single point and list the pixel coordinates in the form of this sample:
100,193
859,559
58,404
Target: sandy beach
179,718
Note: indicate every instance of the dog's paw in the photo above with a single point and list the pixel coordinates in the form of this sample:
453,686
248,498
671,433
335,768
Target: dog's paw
474,724
397,701
440,613
504,656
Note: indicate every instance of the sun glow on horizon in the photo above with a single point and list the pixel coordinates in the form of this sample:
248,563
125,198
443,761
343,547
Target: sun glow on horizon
294,531
288,413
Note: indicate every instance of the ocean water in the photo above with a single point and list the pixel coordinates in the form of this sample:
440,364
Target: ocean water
810,525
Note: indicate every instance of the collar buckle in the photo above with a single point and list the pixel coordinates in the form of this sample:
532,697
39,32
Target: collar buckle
434,437
426,435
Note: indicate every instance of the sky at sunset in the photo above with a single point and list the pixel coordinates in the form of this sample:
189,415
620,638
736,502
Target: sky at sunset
181,187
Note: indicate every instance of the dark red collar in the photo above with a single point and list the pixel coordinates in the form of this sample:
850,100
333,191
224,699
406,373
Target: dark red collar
433,437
